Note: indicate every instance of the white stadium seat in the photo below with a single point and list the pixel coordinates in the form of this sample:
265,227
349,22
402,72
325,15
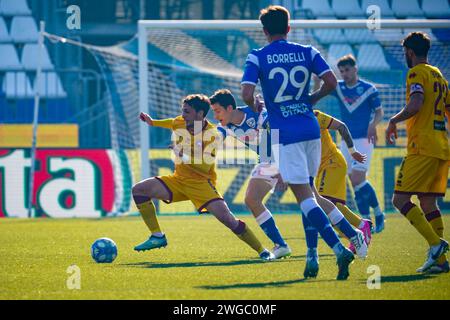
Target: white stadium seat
371,58
355,36
328,36
406,8
385,10
30,57
23,29
14,8
436,8
336,51
50,86
4,35
347,8
318,7
17,85
8,58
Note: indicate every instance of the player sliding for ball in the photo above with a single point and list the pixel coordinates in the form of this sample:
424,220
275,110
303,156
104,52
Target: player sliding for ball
194,178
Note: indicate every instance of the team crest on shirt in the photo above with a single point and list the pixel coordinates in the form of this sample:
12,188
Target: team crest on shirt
251,122
360,90
416,87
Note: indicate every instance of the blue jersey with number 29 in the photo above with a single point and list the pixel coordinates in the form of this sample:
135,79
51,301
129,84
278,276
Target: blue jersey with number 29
284,69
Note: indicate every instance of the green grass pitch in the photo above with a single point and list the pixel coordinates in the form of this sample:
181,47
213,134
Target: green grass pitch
203,260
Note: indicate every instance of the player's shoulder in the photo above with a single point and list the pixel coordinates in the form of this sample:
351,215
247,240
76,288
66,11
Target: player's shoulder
178,122
367,85
421,70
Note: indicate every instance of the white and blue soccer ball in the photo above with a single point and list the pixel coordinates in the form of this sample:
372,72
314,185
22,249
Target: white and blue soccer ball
104,250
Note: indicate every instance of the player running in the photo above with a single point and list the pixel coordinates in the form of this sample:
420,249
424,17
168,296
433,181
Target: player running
284,70
251,128
194,178
358,100
424,170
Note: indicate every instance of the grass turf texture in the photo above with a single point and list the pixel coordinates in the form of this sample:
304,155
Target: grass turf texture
203,260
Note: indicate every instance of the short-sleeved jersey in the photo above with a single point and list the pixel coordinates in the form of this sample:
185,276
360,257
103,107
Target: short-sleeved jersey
191,169
357,103
253,131
328,146
426,131
284,70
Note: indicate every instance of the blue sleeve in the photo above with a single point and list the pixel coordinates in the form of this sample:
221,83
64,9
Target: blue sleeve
251,69
319,65
375,102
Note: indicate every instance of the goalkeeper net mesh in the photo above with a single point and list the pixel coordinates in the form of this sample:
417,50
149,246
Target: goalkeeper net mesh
182,62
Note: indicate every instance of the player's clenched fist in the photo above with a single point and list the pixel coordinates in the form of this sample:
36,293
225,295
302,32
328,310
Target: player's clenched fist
146,118
391,133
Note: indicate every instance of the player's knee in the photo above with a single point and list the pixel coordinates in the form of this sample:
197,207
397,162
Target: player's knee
251,201
428,204
398,202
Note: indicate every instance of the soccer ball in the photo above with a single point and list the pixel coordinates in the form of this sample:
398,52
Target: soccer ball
104,250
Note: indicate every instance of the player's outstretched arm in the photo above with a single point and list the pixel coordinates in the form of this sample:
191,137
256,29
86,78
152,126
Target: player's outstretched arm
165,123
347,137
329,83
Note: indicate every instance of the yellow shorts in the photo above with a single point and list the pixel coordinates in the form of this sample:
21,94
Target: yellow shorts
200,192
331,179
422,175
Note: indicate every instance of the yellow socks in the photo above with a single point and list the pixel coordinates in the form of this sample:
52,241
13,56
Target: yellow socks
417,218
245,234
351,217
435,219
148,213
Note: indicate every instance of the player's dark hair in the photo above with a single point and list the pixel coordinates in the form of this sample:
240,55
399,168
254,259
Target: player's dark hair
419,42
347,60
224,98
275,19
198,102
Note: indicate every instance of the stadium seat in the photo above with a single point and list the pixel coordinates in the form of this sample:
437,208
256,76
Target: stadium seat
328,36
436,8
406,8
50,86
4,35
30,55
23,29
17,85
14,8
371,58
355,36
8,58
318,7
336,51
385,9
344,9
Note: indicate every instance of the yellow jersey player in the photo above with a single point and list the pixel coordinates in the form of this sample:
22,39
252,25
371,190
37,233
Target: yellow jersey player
424,170
194,178
331,178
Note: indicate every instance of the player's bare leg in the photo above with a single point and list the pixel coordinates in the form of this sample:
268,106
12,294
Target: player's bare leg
366,198
416,217
222,213
256,191
433,215
143,193
338,220
317,218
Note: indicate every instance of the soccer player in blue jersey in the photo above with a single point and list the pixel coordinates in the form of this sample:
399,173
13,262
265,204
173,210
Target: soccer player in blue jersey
284,70
358,101
251,128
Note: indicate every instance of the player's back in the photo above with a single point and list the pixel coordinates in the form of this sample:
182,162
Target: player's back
284,69
426,130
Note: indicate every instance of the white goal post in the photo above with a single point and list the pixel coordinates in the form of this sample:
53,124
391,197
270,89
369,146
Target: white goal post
145,25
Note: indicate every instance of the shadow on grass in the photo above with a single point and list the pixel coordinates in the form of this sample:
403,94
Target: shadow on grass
263,284
406,278
153,265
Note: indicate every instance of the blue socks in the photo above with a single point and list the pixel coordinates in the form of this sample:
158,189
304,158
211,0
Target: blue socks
319,220
311,233
267,224
366,198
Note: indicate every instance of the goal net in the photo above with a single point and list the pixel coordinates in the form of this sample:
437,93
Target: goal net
169,59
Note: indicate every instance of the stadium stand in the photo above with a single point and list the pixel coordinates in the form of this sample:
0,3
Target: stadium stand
371,58
30,56
24,30
385,9
403,9
8,58
348,8
50,86
356,36
328,36
335,51
4,34
436,9
10,8
318,7
17,85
